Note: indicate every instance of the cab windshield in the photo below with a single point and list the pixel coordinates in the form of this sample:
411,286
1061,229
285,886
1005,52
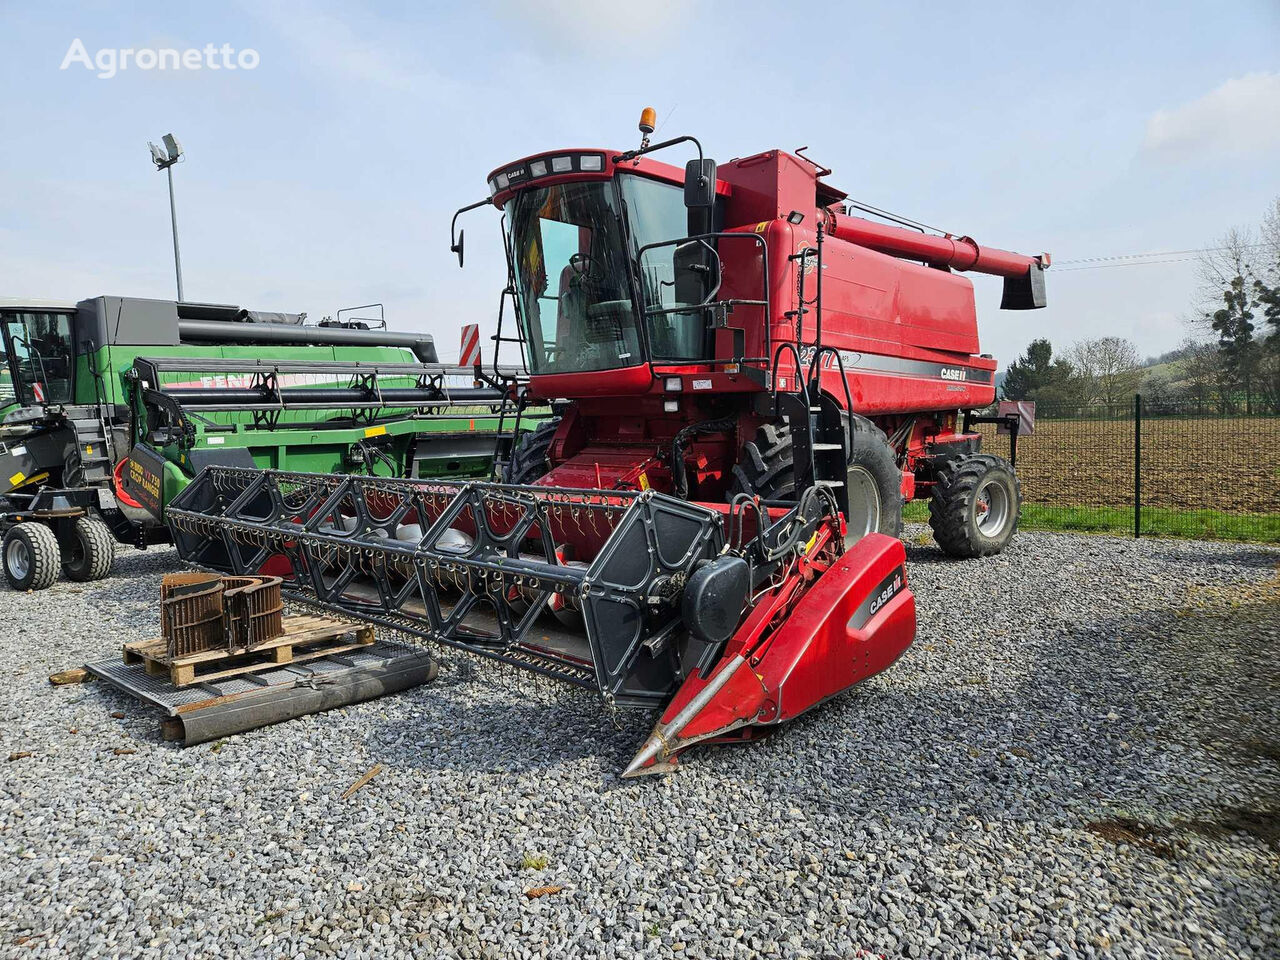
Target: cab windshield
572,278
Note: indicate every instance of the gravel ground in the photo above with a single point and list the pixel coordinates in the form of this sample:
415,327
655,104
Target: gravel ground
1078,757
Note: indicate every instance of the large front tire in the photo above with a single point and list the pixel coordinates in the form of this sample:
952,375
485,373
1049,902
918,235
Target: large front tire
31,556
529,457
874,482
975,507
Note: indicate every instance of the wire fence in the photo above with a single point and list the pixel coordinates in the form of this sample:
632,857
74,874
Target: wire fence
1182,469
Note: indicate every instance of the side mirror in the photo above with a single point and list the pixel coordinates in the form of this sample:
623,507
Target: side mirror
700,183
700,196
458,247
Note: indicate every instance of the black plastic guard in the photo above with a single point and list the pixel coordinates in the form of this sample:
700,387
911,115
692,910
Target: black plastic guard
1026,292
632,590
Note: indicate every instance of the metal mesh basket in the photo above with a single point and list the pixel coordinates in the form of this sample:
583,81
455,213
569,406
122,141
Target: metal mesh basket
253,612
203,611
191,612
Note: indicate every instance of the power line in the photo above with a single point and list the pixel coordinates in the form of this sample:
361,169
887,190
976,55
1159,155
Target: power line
1143,259
1131,263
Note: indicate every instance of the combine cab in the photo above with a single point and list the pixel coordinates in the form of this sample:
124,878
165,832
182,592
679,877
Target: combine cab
751,383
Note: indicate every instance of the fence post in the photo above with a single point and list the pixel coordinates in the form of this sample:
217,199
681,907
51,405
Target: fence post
1137,465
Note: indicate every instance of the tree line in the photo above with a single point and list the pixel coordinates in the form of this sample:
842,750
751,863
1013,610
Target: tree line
1240,309
1229,362
1107,370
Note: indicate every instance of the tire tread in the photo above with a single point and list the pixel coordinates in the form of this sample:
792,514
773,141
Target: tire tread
766,467
99,550
951,504
46,555
529,458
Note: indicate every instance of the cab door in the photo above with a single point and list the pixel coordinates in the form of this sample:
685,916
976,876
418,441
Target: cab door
39,367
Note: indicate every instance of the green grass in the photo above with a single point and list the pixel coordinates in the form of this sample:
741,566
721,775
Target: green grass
1156,521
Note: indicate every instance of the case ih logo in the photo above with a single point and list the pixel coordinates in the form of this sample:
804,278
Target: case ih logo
886,593
889,588
896,366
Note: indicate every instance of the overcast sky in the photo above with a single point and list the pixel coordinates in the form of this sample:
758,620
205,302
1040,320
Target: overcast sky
326,175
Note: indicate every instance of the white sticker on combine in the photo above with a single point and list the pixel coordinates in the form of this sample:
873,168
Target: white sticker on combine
20,451
213,441
702,384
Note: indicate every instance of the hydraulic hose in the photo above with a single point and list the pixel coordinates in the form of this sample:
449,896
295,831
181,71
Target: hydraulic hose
679,480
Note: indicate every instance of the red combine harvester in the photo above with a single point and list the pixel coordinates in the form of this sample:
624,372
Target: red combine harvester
750,380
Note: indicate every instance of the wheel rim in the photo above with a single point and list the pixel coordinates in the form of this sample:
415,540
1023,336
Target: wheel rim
75,559
991,508
864,502
17,558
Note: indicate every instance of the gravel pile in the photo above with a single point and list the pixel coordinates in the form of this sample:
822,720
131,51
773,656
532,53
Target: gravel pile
1078,757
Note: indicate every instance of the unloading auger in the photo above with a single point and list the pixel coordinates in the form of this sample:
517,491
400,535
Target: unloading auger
730,619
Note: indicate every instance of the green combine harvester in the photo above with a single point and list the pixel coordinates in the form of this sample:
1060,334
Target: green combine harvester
109,406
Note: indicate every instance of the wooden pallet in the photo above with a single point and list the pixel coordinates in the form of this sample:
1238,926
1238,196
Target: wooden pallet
305,637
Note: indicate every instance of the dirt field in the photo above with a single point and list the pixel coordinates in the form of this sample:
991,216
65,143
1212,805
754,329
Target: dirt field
1230,464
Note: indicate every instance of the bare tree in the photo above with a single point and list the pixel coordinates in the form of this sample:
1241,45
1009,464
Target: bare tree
1201,371
1232,257
1266,290
1109,369
1230,276
1270,232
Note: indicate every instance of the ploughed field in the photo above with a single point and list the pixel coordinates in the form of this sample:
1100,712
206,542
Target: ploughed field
1188,463
1077,757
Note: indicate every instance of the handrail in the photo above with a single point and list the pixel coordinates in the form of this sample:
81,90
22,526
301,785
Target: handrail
709,302
381,318
800,378
815,375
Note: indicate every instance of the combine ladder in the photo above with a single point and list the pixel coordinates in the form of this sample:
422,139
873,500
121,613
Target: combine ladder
819,435
95,448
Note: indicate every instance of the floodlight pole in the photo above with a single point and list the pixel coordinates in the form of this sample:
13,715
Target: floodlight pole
164,160
173,217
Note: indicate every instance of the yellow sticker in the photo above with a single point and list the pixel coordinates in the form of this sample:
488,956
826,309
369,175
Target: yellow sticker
812,540
17,478
762,226
88,449
374,431
644,480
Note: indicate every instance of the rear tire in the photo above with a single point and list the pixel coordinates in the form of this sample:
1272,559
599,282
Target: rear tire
31,556
529,458
90,552
874,482
975,507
